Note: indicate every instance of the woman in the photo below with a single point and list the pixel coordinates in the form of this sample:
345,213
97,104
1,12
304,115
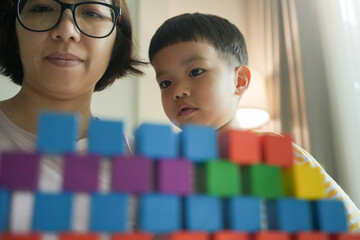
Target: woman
60,52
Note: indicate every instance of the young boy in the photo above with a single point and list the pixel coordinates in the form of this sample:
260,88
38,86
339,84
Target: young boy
201,67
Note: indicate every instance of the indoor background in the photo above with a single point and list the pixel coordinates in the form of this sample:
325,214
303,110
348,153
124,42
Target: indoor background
305,61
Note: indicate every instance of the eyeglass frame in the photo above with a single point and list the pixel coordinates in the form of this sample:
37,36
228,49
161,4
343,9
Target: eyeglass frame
72,7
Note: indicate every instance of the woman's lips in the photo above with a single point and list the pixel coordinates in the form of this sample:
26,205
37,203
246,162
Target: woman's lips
64,60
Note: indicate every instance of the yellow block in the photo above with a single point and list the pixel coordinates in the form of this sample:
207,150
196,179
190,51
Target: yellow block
303,181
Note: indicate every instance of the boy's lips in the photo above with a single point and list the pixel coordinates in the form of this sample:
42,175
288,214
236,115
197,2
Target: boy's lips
185,110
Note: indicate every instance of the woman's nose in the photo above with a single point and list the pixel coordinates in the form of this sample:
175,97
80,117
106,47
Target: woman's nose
66,29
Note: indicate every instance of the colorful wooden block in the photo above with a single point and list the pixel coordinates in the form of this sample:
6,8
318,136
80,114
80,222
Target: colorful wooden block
109,213
262,180
15,164
289,214
228,172
243,213
231,235
303,181
132,236
156,140
278,150
5,201
159,214
106,137
316,235
81,173
329,216
78,236
132,174
203,213
21,236
198,143
57,133
52,212
345,236
175,176
271,235
241,147
185,235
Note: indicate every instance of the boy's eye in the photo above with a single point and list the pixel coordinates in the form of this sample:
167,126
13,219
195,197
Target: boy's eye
164,84
196,72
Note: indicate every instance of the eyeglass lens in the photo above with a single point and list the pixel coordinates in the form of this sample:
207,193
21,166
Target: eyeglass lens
93,19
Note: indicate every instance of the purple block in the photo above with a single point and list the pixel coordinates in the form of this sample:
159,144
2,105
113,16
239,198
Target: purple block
81,173
175,177
132,174
19,170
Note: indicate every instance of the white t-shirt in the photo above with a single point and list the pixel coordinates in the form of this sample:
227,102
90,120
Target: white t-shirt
14,138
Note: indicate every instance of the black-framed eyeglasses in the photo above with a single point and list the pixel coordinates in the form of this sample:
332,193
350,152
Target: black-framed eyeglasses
94,19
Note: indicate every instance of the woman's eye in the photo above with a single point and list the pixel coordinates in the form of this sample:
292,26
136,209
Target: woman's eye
196,72
164,84
41,9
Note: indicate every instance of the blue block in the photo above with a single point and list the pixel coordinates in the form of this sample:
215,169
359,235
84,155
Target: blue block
57,133
160,213
198,143
155,141
244,214
329,216
4,209
106,137
52,212
203,213
289,214
109,212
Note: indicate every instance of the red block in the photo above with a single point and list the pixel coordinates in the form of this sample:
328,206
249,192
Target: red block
278,150
12,236
132,236
345,236
78,236
311,236
241,147
184,235
271,235
230,235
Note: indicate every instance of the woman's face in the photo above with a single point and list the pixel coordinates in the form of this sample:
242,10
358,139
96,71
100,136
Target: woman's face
63,63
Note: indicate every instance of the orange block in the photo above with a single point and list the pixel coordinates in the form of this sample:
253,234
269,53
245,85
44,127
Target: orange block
184,235
230,235
278,150
311,236
303,181
241,147
271,235
13,236
78,236
132,236
345,236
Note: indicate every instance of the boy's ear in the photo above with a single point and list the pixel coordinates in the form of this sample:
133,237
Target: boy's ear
243,77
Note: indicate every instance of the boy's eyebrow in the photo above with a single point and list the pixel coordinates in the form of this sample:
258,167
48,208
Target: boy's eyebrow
186,61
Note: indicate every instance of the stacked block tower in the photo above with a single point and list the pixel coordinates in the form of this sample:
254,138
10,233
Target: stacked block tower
192,185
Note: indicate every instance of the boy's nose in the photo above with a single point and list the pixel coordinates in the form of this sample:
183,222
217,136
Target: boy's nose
182,93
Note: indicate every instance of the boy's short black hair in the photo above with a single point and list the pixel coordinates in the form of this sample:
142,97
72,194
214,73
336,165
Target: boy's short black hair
224,36
121,62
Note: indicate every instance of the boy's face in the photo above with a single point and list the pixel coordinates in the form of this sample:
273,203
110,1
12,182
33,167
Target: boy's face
197,85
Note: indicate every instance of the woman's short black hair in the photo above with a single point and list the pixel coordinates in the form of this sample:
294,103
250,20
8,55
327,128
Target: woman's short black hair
224,36
122,60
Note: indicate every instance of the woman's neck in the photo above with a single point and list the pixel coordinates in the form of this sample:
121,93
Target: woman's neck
23,109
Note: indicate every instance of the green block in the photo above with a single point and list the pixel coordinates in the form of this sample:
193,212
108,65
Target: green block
263,181
222,178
